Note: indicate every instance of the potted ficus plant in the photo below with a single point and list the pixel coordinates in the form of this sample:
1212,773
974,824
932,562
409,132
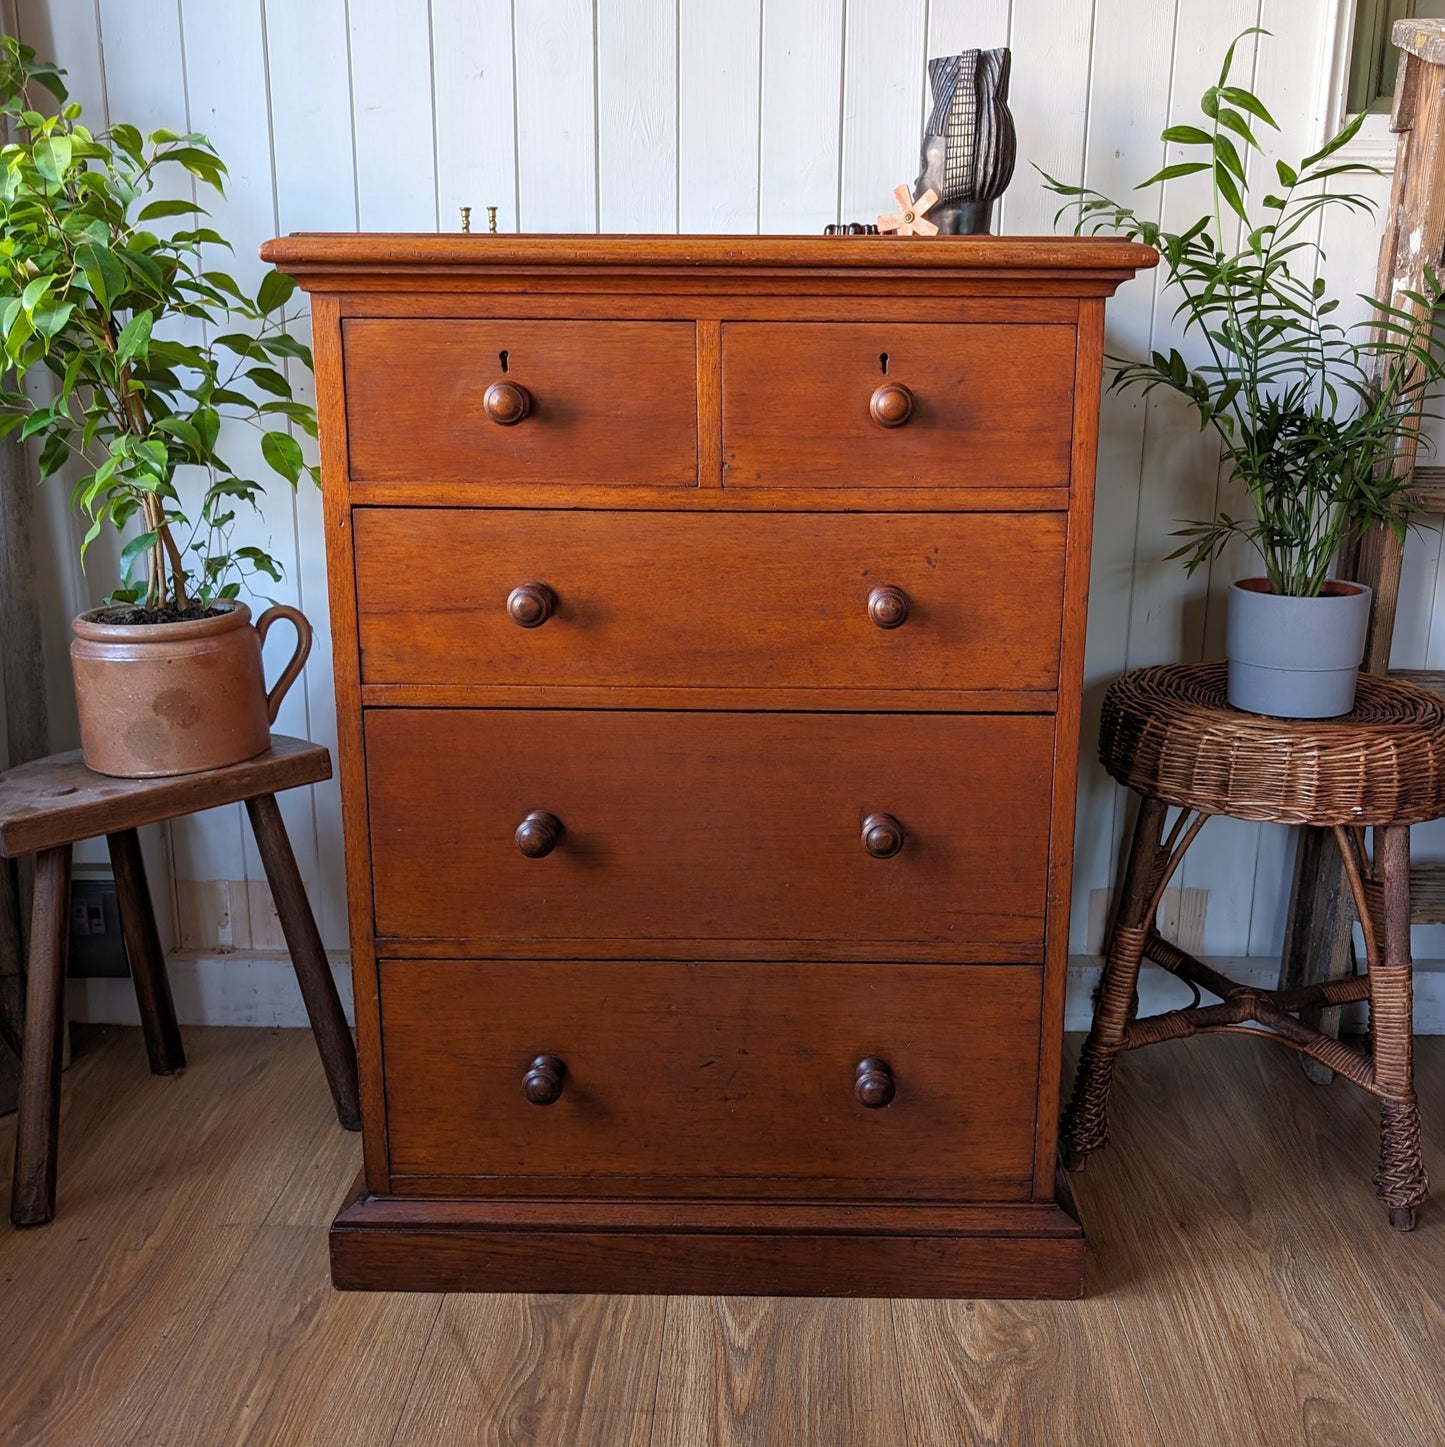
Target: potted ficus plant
105,287
1308,413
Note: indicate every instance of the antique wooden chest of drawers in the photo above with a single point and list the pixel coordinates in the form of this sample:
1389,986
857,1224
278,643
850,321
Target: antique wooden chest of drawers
708,620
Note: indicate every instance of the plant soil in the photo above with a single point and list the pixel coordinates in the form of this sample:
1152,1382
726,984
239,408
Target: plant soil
167,614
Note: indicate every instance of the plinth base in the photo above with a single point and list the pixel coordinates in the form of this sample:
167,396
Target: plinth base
391,1243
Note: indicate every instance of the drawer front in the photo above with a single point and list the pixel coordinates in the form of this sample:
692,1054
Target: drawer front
608,402
727,600
677,827
991,406
691,1079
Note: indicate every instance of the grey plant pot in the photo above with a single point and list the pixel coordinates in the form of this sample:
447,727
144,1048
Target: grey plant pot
1295,657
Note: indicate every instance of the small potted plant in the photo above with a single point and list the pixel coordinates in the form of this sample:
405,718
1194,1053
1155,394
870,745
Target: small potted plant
104,285
1308,413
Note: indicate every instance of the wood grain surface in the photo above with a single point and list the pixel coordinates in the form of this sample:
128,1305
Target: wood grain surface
57,800
740,1075
991,405
322,258
1242,1289
611,401
723,826
746,601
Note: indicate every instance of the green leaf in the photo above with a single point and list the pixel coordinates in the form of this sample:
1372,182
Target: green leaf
134,550
1233,121
183,431
1225,183
1342,138
34,291
128,139
1288,176
1180,168
276,290
1187,136
103,273
52,157
50,320
54,454
268,379
158,209
1247,101
283,454
134,339
1233,45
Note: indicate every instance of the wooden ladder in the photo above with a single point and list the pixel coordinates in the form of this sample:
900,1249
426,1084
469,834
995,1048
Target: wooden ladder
1319,933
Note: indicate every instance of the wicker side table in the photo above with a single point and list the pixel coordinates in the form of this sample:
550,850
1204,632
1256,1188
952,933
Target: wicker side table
1169,734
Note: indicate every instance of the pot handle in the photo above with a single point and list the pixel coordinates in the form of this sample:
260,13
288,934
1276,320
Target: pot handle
298,659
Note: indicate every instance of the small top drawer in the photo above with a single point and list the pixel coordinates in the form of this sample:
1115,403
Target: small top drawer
521,401
897,404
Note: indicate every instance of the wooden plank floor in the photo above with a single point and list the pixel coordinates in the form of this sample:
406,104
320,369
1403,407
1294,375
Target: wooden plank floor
1244,1289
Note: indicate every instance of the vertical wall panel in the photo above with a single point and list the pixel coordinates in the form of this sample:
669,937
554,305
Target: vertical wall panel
309,63
1132,63
391,115
882,82
475,111
802,83
637,115
226,81
1181,472
75,46
719,80
315,171
1049,97
556,119
955,25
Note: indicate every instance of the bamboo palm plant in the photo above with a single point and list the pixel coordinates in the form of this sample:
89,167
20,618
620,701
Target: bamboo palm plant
147,344
1308,412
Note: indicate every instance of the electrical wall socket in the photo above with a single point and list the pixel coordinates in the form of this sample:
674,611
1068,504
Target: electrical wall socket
97,947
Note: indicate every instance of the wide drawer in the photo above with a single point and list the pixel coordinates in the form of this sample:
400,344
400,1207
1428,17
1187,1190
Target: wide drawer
774,601
609,402
703,1079
677,827
991,405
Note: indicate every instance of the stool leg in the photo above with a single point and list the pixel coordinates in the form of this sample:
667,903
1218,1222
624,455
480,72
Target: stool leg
1085,1126
37,1131
308,957
1401,1182
147,960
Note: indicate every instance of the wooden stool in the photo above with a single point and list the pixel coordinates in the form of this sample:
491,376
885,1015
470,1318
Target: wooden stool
1169,735
45,806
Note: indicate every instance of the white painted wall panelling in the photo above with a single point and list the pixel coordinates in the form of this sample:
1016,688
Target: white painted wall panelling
728,115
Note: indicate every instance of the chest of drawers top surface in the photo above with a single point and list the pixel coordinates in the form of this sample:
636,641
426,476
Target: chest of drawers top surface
708,625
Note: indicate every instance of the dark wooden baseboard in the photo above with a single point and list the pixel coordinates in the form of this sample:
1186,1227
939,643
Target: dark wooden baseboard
381,1243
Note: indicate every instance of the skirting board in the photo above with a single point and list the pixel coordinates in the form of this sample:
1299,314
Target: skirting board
259,989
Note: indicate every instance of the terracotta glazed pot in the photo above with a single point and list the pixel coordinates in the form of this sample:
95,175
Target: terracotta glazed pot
176,698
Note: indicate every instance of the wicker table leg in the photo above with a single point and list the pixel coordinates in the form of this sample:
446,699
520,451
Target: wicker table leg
1401,1182
1085,1126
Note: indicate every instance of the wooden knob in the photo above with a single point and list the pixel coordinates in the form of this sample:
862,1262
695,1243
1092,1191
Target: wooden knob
542,1084
506,403
882,835
888,606
891,405
538,833
531,604
873,1083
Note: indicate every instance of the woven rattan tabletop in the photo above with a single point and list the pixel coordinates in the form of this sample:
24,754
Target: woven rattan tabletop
1170,733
